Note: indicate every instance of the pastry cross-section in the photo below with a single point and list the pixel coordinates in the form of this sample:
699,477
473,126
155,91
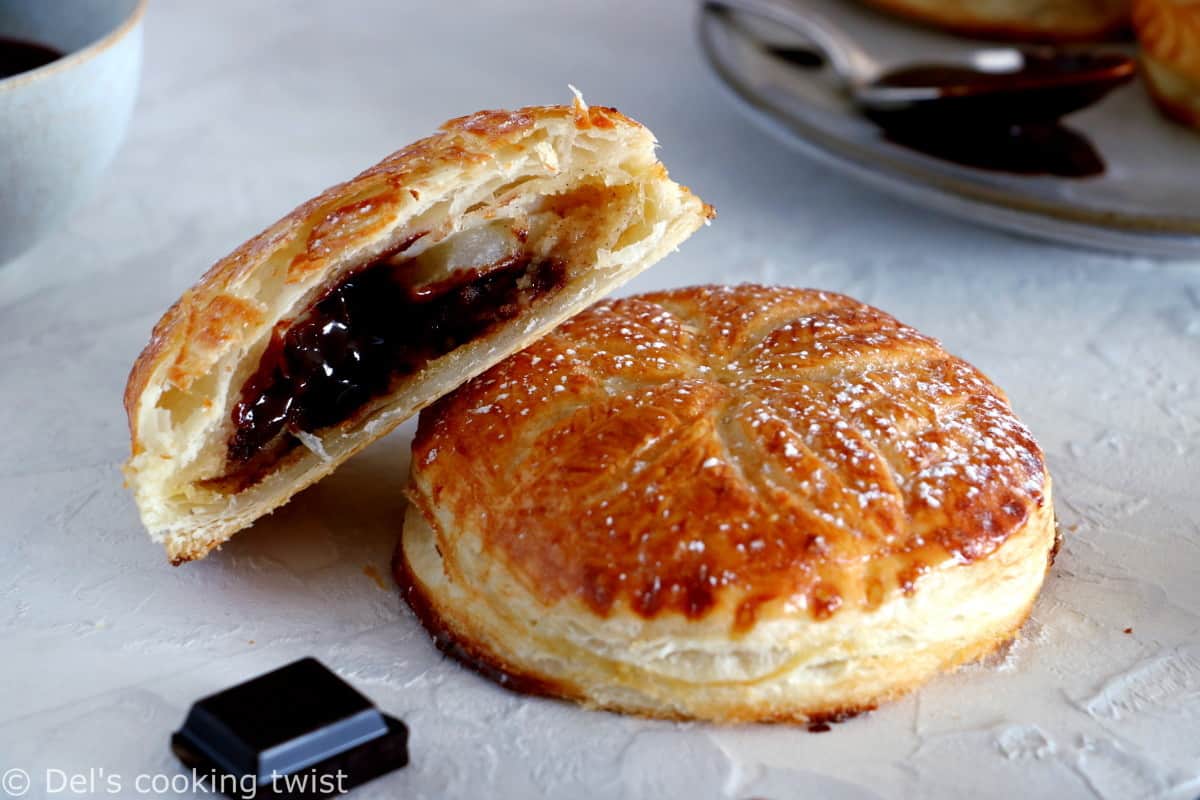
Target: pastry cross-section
380,295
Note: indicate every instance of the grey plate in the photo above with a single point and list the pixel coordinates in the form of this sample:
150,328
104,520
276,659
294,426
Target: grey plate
1148,200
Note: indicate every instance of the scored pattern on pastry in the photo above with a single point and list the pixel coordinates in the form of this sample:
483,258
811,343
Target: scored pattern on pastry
816,452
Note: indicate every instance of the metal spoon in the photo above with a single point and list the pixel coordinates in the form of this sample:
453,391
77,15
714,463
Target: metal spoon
995,84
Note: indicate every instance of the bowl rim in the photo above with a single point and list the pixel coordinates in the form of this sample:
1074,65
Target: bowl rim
81,55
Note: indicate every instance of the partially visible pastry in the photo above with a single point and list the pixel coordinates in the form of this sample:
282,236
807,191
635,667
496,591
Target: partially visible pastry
1169,32
1030,20
730,504
369,301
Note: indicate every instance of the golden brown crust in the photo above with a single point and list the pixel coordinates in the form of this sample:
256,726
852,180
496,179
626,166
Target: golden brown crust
1169,33
815,448
726,503
1019,20
205,315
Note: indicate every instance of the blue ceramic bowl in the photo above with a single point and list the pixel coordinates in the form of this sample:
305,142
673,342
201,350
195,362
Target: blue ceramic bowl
61,124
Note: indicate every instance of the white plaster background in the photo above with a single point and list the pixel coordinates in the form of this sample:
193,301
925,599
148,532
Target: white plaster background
249,108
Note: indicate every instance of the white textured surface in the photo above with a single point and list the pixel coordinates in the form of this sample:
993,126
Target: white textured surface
248,108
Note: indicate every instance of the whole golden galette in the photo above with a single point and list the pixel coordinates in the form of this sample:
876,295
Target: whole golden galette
744,503
368,302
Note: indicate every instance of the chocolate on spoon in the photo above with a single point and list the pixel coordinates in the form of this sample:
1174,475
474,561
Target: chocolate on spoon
990,108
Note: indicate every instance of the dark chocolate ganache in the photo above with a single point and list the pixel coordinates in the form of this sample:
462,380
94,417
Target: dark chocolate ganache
18,55
365,332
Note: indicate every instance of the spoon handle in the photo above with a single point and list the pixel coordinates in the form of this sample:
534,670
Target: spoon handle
851,64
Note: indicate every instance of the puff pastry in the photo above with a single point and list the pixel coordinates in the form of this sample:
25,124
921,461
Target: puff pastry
729,504
1169,33
1034,20
378,296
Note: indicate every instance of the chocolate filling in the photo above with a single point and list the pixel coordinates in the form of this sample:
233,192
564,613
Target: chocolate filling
351,345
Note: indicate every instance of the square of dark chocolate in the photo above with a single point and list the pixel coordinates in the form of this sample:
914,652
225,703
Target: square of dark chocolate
300,717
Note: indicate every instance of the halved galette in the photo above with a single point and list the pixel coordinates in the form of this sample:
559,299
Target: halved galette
384,293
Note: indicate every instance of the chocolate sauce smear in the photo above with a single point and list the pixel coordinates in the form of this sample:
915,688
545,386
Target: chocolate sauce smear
1005,121
1002,121
1029,148
368,330
18,55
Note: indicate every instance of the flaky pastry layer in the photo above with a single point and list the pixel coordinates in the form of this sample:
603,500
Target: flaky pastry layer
790,669
580,186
